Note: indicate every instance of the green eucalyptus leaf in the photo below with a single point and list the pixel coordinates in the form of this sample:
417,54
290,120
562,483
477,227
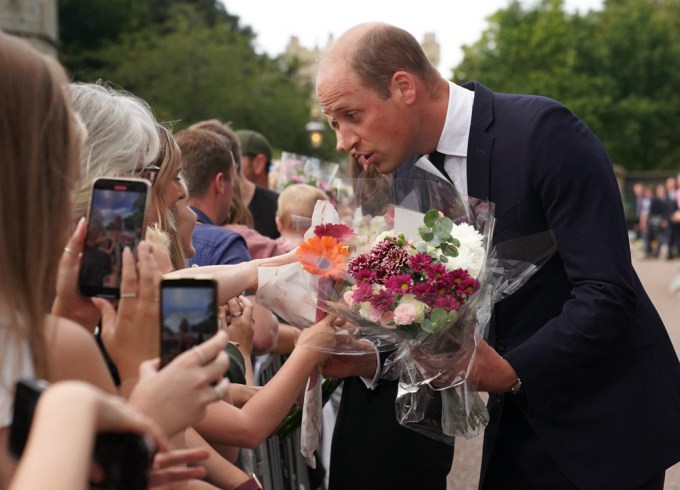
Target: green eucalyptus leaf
430,217
439,315
443,227
426,234
448,249
428,326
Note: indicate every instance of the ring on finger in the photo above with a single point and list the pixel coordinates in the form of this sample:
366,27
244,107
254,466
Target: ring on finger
236,314
69,250
128,295
199,354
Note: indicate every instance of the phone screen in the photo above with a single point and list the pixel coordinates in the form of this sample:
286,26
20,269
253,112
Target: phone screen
188,314
116,219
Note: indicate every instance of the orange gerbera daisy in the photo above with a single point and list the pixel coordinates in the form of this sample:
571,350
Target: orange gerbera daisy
323,256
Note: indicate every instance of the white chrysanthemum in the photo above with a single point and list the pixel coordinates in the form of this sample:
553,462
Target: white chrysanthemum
471,251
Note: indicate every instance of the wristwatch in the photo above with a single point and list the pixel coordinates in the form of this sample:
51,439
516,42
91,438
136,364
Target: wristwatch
251,483
517,387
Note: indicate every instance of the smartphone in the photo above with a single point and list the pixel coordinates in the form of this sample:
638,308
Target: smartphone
116,219
188,314
26,394
123,459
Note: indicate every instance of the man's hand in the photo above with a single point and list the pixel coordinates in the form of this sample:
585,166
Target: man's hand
346,365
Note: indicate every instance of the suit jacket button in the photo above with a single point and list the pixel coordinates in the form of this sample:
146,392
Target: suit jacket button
501,344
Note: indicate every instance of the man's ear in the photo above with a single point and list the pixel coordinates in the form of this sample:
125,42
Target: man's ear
403,86
277,220
218,183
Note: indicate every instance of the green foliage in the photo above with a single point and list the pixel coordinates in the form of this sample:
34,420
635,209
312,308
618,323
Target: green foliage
618,69
436,235
439,320
190,60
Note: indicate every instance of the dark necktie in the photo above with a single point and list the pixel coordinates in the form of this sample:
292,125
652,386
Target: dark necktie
437,160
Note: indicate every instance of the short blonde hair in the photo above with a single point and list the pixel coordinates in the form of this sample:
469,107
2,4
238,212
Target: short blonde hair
297,200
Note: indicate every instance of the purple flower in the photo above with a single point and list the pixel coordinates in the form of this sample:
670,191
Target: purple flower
382,300
419,261
364,275
400,284
362,292
394,261
340,232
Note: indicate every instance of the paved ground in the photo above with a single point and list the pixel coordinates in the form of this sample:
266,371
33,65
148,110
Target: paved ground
656,276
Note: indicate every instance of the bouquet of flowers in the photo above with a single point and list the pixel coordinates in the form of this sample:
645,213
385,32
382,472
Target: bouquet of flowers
418,279
417,286
302,169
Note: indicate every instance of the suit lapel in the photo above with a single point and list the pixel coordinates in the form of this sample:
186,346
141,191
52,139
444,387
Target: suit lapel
480,143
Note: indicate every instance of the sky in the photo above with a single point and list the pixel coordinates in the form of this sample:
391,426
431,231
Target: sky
454,22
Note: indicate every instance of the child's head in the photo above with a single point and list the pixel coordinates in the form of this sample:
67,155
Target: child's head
296,206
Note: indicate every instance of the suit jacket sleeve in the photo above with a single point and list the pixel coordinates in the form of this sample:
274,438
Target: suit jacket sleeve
573,187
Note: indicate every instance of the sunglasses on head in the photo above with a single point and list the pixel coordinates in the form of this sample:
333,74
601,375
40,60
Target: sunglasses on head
148,172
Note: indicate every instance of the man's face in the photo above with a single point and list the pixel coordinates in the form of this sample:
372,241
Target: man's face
374,130
247,167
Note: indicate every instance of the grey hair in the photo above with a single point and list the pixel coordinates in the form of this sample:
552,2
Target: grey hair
122,135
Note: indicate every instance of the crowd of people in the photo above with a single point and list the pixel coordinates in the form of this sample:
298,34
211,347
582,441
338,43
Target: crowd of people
577,363
657,218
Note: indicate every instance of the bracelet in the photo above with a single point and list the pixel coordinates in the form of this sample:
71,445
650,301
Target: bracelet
251,483
517,387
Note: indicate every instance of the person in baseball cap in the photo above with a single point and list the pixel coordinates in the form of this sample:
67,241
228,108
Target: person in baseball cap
256,156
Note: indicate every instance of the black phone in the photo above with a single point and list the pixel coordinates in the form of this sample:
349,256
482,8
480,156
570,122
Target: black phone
122,459
116,219
26,394
188,314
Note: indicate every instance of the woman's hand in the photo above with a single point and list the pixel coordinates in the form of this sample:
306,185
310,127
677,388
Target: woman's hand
177,395
131,333
68,303
177,465
319,339
68,416
239,321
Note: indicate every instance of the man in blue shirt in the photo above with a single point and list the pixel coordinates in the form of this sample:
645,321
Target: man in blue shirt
209,171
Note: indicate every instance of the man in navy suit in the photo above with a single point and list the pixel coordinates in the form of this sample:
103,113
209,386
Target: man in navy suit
584,382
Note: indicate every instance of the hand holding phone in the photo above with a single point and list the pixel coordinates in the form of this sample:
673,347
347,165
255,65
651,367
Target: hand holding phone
116,219
122,459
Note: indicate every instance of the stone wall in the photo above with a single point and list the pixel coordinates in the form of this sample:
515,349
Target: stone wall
34,20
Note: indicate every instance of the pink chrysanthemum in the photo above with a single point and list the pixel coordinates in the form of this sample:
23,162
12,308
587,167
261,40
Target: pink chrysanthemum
382,300
400,284
419,261
340,232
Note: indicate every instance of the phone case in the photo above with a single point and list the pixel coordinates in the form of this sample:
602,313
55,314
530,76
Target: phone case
116,219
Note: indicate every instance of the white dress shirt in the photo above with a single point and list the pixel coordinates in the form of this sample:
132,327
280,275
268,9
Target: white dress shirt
453,144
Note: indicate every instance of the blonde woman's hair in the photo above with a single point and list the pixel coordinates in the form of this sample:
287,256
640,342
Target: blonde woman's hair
297,200
165,218
122,136
39,159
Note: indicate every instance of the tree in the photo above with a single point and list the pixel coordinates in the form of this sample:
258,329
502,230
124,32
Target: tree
614,68
191,63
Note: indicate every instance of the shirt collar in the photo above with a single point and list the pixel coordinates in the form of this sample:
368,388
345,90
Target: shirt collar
201,216
454,138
